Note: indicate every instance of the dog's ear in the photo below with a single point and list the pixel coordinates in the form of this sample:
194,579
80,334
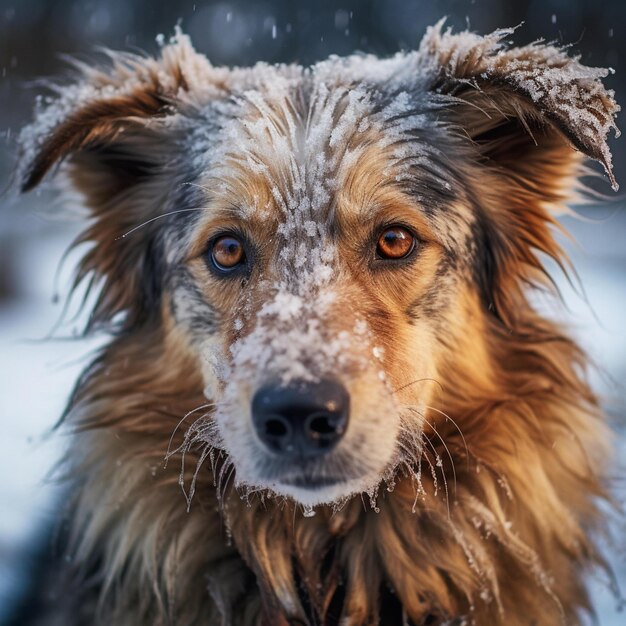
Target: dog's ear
533,114
538,88
112,131
105,107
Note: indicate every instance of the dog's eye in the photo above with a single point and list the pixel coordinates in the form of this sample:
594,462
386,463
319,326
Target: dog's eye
395,242
227,252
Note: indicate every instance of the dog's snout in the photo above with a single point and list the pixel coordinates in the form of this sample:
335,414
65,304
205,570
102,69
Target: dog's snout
301,419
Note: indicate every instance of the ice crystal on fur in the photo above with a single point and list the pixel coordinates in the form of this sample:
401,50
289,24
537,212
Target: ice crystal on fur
566,91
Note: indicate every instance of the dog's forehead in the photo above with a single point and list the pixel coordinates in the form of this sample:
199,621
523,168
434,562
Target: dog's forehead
290,147
307,155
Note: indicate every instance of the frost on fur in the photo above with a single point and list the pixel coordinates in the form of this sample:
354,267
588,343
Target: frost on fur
565,91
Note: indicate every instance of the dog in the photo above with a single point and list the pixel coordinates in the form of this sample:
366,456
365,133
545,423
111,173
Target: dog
317,284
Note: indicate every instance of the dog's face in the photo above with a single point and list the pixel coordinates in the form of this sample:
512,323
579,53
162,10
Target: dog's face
321,240
315,280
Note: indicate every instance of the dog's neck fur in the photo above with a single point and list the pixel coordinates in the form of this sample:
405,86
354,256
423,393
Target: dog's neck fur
440,543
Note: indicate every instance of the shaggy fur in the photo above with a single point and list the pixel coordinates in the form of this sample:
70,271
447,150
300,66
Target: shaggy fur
473,466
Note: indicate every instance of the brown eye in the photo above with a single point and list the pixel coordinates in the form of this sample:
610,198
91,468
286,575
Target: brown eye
395,242
227,252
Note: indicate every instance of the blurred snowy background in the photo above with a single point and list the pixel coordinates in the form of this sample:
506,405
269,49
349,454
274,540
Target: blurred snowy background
36,372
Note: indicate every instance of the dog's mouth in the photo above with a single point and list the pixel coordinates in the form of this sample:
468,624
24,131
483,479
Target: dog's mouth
311,490
307,474
312,482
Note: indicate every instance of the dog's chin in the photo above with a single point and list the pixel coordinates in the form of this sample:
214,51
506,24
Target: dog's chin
329,480
318,491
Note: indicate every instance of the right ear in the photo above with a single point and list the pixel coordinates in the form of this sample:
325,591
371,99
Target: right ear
111,132
108,105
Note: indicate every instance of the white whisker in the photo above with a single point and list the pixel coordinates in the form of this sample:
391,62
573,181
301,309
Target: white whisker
169,445
157,217
467,452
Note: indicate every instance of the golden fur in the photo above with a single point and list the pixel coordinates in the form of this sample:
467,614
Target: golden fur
489,519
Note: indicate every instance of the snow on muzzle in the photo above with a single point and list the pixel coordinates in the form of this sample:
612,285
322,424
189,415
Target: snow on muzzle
304,396
300,338
299,357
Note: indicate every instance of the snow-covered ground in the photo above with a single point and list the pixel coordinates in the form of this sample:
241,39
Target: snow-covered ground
36,375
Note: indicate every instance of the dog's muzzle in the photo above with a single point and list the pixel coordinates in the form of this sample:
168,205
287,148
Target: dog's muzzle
301,420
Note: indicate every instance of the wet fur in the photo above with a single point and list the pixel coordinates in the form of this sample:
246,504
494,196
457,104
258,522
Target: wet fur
489,512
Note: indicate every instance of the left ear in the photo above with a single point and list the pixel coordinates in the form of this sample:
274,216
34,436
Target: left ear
532,115
537,88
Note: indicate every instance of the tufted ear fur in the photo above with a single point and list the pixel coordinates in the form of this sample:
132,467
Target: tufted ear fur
533,114
110,129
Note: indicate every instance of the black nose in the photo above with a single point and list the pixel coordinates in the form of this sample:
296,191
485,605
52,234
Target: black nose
301,419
